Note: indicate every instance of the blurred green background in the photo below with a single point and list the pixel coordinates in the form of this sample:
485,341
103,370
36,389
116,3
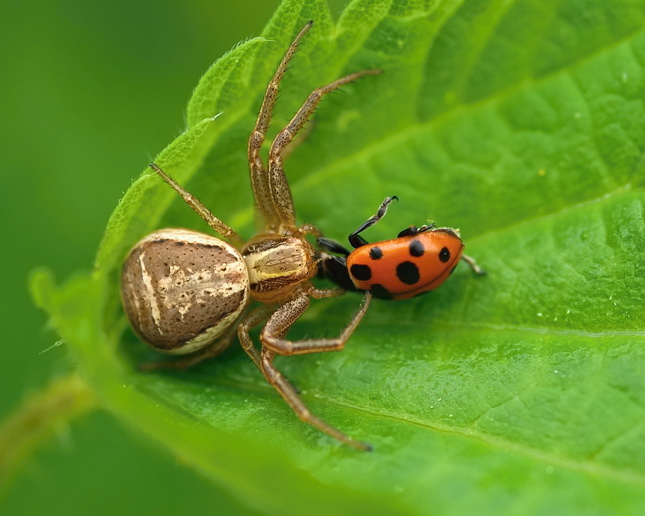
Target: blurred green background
90,92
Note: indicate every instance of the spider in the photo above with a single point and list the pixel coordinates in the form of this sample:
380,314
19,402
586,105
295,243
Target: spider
187,293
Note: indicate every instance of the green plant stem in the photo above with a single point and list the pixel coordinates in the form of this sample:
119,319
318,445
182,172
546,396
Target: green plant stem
40,415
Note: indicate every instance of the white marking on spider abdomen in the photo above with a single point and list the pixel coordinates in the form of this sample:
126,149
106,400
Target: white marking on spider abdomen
149,291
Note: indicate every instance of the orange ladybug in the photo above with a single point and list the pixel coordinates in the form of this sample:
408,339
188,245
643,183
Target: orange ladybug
417,261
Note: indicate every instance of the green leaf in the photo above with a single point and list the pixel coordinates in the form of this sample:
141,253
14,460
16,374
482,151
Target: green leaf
523,391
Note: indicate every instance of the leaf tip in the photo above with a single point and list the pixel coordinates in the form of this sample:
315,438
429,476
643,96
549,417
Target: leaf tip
41,284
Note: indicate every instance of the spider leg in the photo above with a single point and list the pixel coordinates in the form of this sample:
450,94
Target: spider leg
199,208
277,180
291,396
273,342
255,318
273,333
259,178
211,351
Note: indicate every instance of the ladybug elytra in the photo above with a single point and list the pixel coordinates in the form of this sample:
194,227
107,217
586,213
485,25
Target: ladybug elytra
419,260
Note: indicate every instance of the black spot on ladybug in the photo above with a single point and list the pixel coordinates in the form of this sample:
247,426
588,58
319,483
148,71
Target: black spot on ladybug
407,272
444,255
380,291
376,253
361,272
416,248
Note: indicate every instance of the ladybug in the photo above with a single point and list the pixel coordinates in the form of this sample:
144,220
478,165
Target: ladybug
418,260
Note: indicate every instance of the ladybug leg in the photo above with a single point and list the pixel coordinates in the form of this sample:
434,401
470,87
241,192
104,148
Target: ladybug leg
199,208
358,241
473,264
413,230
333,246
335,268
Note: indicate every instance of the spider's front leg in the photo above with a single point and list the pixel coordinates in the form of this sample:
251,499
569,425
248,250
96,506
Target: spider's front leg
264,199
270,187
283,141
